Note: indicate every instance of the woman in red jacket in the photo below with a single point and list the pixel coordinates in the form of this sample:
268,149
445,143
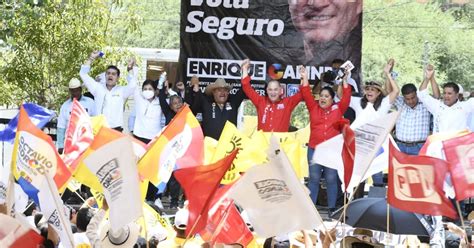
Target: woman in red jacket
324,115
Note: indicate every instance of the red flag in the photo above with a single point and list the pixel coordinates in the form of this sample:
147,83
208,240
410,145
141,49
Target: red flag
460,154
415,184
200,184
348,151
224,224
16,234
79,135
29,239
34,154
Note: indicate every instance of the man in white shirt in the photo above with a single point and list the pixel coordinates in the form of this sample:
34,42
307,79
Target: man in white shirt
110,98
87,103
450,114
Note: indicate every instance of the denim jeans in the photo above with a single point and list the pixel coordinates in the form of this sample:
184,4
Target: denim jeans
410,150
315,173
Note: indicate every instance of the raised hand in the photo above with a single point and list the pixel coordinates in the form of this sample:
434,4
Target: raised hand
245,65
389,66
429,72
94,55
131,63
304,75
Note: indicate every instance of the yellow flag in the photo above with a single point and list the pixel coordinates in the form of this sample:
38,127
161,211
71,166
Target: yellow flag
249,155
291,146
83,174
210,146
151,218
98,122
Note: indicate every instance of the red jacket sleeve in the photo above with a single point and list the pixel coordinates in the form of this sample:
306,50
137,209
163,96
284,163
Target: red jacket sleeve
346,99
308,97
295,99
249,91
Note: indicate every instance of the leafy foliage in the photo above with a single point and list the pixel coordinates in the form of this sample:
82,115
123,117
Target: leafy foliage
415,34
159,24
45,44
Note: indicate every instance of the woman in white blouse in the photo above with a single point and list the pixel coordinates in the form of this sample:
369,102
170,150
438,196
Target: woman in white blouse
147,111
375,103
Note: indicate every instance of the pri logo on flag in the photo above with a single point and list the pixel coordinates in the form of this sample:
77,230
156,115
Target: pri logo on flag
273,190
414,183
466,155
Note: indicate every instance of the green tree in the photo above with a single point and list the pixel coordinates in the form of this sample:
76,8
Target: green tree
159,24
414,34
44,45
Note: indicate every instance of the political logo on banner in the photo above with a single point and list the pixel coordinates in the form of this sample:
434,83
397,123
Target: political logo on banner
415,184
269,191
460,155
114,166
276,37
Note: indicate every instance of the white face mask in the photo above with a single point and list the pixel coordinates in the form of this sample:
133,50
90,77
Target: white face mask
148,94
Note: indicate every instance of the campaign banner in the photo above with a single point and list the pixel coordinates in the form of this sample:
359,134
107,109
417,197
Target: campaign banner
277,36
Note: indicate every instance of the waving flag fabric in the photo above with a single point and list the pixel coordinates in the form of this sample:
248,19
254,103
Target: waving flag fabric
34,155
180,145
39,116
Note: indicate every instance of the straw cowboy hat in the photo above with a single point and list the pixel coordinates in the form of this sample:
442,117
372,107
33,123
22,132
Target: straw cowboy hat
376,85
126,237
297,238
219,83
74,83
362,236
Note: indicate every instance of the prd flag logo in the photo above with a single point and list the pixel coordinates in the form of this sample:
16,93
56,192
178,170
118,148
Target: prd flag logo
275,71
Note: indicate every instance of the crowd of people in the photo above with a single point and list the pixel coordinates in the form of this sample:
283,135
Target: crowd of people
331,103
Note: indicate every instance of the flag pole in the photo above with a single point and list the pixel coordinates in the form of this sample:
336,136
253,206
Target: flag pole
56,203
388,218
208,201
192,229
462,220
146,232
220,225
344,220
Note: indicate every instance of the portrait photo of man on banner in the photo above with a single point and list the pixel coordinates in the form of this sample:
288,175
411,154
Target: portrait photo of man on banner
277,37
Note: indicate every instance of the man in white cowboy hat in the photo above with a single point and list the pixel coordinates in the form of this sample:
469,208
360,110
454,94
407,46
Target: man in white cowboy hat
75,91
101,235
217,107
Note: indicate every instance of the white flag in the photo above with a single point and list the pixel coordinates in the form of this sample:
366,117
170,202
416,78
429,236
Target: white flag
53,210
370,156
115,167
5,169
273,197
